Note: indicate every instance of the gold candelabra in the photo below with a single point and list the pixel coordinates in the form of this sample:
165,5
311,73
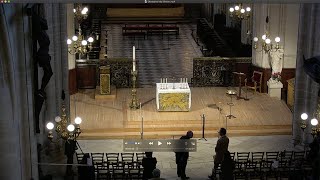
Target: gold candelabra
63,129
78,44
80,13
240,12
266,42
134,101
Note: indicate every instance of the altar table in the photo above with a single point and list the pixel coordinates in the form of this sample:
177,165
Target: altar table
173,97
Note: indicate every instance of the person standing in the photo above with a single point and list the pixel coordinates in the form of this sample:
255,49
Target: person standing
69,150
220,149
227,167
182,158
149,164
86,169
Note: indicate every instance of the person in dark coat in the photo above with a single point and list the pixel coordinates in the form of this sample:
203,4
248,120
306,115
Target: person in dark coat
227,166
69,150
220,149
149,164
86,170
182,158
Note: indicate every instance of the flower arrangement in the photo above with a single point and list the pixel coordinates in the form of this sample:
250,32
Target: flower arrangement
276,76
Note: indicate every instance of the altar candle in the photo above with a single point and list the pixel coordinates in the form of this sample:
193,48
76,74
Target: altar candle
186,80
134,58
166,80
180,80
161,80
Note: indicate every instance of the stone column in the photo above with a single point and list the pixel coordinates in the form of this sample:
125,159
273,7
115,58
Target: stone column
246,27
306,90
283,22
57,21
70,33
17,135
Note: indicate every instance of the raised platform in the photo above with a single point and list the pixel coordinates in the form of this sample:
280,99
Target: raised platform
261,115
111,96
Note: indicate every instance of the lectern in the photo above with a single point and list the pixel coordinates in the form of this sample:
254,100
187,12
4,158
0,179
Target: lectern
241,76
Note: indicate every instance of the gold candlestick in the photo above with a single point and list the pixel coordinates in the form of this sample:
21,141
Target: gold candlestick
134,101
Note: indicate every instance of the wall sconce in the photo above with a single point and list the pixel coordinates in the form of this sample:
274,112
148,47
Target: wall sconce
303,124
314,123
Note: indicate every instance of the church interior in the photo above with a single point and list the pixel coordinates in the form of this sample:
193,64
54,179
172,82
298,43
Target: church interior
90,78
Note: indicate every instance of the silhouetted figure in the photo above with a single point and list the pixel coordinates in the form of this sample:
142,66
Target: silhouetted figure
313,157
182,158
312,67
220,149
227,167
86,172
69,150
149,164
219,21
43,58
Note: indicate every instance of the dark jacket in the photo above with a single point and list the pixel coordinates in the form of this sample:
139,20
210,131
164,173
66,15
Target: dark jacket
221,148
182,157
86,172
227,167
70,147
149,164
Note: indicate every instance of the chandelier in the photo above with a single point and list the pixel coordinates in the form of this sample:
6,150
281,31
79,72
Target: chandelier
64,130
266,42
78,44
240,12
80,13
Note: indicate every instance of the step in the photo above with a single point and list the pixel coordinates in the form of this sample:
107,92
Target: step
177,134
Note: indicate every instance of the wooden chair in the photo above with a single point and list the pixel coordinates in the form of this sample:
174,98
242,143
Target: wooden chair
140,156
97,159
254,82
112,157
79,157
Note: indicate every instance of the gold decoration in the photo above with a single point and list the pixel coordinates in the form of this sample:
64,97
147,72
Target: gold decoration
174,102
63,123
105,80
134,101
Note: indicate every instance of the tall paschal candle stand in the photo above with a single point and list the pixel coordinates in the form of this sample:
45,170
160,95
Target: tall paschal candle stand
134,102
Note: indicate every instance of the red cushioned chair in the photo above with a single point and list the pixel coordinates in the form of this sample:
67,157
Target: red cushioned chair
254,82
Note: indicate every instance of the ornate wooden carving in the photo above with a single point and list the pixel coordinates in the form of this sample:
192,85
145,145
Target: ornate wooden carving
120,71
217,71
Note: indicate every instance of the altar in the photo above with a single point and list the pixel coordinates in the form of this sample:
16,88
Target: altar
173,97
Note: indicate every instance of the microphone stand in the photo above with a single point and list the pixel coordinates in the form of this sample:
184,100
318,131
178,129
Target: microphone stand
203,126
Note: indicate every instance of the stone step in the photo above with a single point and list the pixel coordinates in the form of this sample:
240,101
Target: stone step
161,133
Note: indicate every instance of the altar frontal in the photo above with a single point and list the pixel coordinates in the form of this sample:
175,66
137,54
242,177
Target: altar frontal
173,96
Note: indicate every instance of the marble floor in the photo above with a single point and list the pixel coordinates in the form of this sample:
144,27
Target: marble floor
157,57
200,162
